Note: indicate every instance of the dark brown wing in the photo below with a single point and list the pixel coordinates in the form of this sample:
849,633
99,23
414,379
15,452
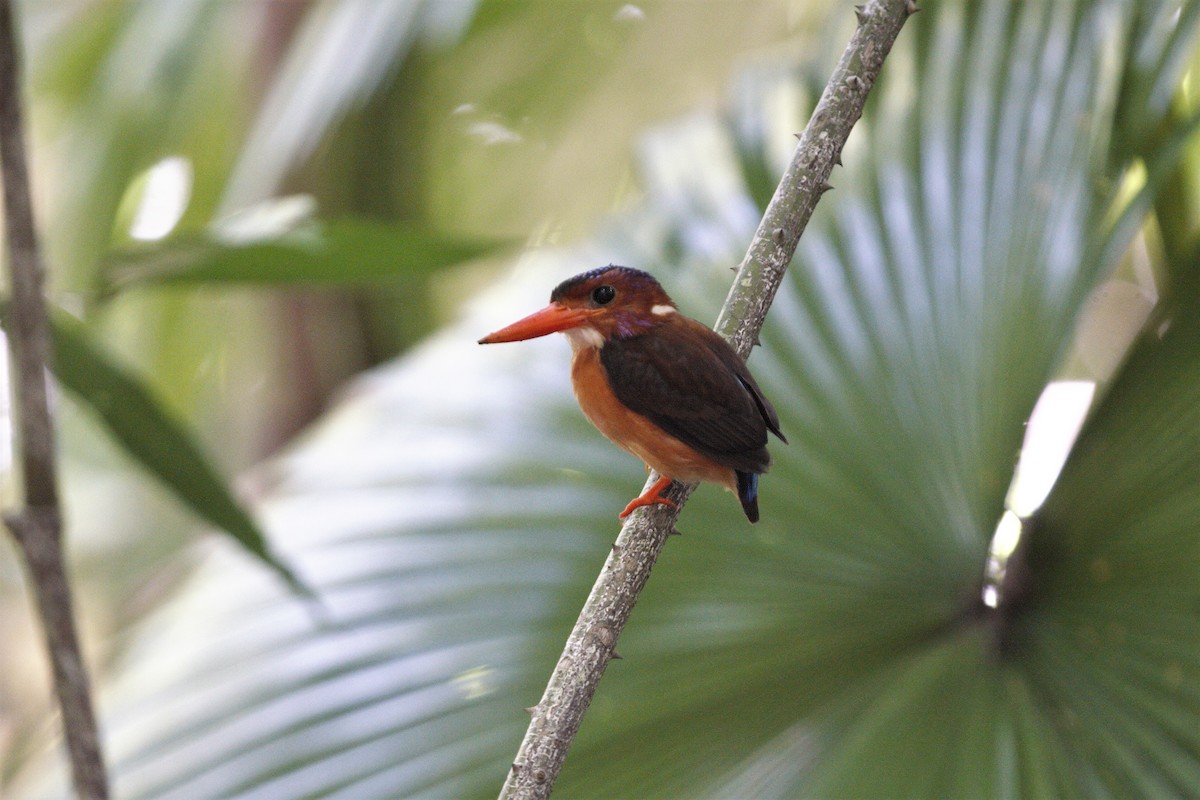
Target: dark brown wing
689,382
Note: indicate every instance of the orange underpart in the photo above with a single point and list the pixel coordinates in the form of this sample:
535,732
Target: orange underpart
649,497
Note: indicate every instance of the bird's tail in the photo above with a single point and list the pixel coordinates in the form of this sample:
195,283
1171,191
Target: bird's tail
747,488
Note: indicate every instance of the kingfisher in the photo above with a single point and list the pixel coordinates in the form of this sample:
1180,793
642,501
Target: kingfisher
659,385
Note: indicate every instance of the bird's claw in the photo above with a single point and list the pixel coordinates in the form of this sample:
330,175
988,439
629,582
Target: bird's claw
651,496
638,502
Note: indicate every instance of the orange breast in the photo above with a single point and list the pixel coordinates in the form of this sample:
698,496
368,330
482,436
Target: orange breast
635,433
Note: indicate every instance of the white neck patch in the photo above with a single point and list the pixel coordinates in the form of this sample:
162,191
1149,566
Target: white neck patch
584,337
662,310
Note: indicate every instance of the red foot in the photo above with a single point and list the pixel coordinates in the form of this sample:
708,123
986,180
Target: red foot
649,497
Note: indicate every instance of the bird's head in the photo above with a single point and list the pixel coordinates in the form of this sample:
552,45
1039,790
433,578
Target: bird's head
593,307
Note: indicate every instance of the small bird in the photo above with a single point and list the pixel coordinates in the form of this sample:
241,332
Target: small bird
660,385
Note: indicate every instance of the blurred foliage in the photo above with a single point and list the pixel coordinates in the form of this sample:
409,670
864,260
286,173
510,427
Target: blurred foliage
386,124
161,444
335,253
452,510
454,507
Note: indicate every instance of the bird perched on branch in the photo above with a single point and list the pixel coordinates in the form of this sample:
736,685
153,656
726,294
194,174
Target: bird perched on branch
658,384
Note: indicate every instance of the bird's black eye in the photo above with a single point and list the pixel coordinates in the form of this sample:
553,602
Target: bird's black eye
603,295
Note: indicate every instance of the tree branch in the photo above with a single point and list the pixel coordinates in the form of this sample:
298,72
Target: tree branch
37,527
592,643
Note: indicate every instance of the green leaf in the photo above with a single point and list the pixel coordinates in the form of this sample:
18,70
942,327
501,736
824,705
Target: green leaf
155,439
1113,560
341,252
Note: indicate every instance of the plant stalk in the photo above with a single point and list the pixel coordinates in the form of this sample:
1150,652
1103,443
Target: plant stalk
37,525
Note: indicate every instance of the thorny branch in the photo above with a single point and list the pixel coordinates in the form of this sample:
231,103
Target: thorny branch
592,643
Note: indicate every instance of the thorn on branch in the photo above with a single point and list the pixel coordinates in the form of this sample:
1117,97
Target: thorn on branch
856,83
17,524
615,656
824,187
530,710
910,7
860,11
778,236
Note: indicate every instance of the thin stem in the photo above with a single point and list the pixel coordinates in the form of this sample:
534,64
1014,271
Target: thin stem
37,527
592,643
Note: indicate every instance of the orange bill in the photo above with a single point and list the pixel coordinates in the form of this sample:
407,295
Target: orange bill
551,319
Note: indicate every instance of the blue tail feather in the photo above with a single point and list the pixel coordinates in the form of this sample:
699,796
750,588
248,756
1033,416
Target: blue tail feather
747,489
